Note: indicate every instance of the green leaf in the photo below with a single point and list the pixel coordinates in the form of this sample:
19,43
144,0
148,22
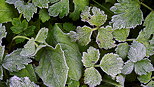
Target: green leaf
79,5
104,38
92,77
110,1
2,49
71,52
148,23
121,79
137,51
145,78
29,31
97,17
68,27
11,1
27,10
73,83
29,48
42,35
26,72
128,67
82,35
111,64
60,8
143,67
150,84
14,61
18,26
91,57
121,34
122,50
6,12
52,68
43,15
3,33
21,82
41,3
128,14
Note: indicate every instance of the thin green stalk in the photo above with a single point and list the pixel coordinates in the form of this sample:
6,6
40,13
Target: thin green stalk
112,83
21,37
103,7
146,6
20,16
130,39
97,66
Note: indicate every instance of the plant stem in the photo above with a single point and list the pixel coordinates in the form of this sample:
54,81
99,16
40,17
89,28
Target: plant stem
97,66
130,39
112,83
21,37
103,7
146,6
20,15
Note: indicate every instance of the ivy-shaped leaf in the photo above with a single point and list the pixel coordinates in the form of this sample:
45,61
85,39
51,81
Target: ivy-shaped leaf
79,5
82,35
27,10
26,72
104,38
42,35
41,3
92,77
71,52
122,50
97,17
128,67
128,14
60,8
90,58
121,34
145,78
111,64
43,15
7,12
143,67
52,68
14,61
2,33
137,51
21,82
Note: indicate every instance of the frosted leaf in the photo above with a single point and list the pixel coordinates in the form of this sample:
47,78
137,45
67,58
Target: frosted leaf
97,17
43,15
29,48
111,64
27,10
91,57
14,61
121,34
71,52
92,77
11,1
128,67
52,68
122,50
143,67
2,33
41,3
104,38
150,84
21,82
137,51
2,49
60,8
121,79
82,35
128,14
42,35
145,78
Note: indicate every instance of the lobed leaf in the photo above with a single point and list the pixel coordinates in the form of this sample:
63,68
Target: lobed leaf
43,15
111,64
27,10
60,8
104,38
52,68
128,14
21,82
128,67
92,77
137,51
91,57
11,1
143,67
41,3
71,52
14,61
42,35
97,17
145,78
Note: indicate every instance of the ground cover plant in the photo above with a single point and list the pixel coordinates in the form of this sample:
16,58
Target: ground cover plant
76,43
